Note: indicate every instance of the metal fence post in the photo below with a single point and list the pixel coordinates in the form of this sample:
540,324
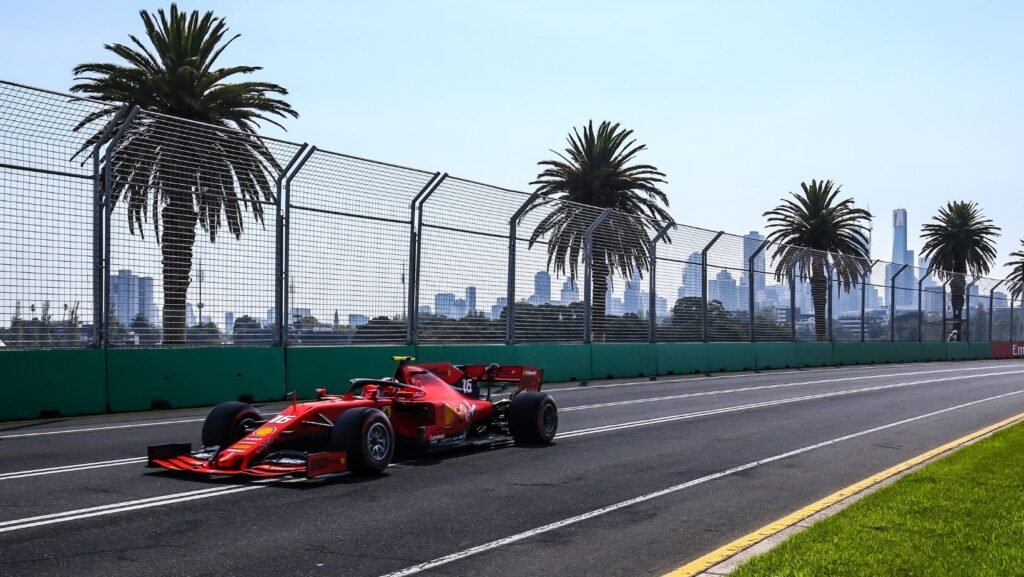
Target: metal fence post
751,282
588,282
415,234
831,268
892,304
280,240
1012,298
991,304
281,315
792,292
108,211
99,264
944,285
965,322
920,308
1020,293
865,275
652,305
510,288
704,286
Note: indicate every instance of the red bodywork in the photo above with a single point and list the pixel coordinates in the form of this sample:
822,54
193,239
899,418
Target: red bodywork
422,403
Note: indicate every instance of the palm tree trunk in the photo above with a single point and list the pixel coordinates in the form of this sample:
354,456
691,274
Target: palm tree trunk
819,294
599,298
179,237
957,288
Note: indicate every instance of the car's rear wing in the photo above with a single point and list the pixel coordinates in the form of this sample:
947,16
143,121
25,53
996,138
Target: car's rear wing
526,378
522,377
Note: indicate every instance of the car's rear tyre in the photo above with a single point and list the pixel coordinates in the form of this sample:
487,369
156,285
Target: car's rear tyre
228,422
366,436
533,418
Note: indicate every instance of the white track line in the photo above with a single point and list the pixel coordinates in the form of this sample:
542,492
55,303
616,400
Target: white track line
618,426
52,518
558,390
768,387
695,378
17,524
110,427
106,428
668,491
750,406
70,468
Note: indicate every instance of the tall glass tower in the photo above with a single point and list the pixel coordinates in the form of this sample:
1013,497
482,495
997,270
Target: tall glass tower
899,236
905,293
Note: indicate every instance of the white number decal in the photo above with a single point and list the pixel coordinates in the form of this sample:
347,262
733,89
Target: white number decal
281,419
467,385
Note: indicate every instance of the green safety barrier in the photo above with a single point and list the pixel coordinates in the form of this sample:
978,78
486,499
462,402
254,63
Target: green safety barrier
140,379
55,382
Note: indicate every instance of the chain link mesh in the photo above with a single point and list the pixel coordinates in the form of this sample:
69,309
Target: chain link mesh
193,234
348,255
212,236
47,188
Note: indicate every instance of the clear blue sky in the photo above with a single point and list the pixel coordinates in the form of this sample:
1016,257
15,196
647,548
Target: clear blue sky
907,104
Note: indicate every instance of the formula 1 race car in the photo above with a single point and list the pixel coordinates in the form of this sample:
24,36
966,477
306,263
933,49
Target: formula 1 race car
431,407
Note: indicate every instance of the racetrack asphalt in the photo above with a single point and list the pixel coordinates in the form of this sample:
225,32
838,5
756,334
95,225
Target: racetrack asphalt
643,477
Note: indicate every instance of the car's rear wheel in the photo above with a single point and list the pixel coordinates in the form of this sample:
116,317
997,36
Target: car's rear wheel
533,418
228,422
366,436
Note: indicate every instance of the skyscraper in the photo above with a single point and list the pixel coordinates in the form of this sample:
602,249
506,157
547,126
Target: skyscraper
124,294
723,289
751,243
498,308
541,288
691,277
905,289
471,299
931,297
632,298
146,305
570,293
444,305
899,236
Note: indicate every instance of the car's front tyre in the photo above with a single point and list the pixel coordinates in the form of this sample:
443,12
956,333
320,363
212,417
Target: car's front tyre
366,436
228,422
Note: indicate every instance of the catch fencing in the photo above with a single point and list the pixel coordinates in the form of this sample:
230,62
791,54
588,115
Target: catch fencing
125,228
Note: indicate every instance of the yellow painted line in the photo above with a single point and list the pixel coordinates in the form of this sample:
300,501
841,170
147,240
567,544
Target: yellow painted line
723,553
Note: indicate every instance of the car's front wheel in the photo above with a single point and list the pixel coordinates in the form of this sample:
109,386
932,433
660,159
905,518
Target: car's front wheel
366,436
228,422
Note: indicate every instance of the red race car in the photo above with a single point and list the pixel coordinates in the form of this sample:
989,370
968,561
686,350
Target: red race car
429,406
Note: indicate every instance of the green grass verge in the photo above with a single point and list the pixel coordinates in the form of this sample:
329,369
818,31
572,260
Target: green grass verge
962,515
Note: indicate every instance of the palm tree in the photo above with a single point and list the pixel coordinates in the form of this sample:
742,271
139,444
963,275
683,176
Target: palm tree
960,241
1016,278
814,233
184,176
598,170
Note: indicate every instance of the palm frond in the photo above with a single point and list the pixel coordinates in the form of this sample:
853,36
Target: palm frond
175,75
597,169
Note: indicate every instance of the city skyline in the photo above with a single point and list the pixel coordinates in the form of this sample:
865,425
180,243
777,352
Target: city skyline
132,294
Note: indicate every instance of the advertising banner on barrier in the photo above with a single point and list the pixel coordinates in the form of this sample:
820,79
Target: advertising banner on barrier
1008,350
